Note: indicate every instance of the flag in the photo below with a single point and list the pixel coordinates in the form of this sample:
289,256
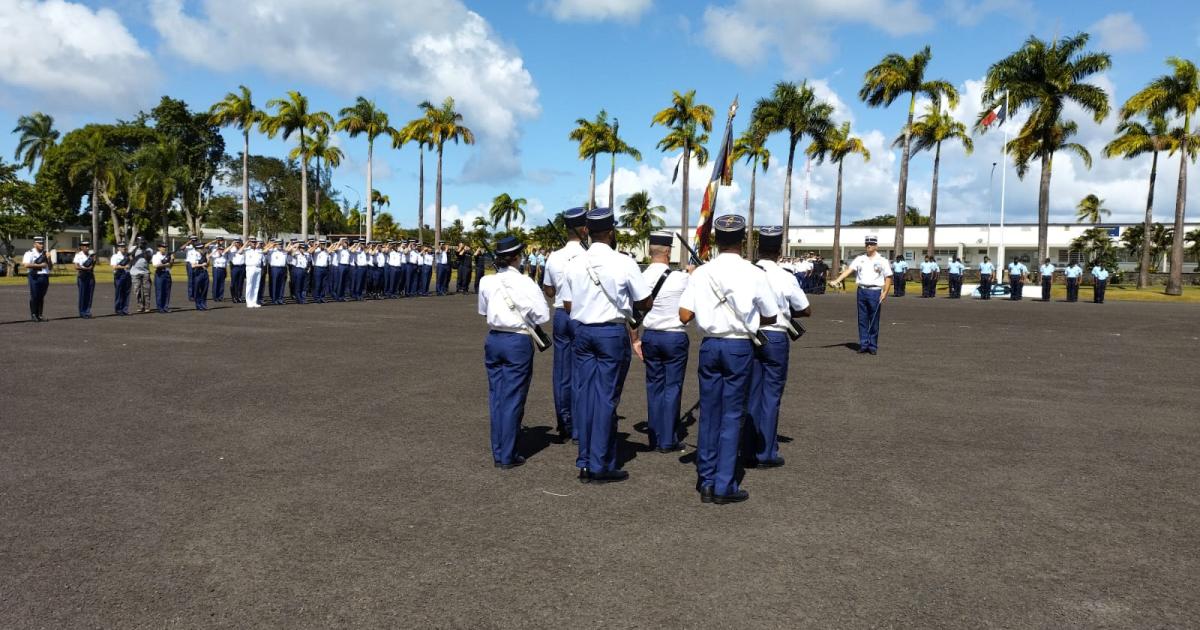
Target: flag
995,116
722,175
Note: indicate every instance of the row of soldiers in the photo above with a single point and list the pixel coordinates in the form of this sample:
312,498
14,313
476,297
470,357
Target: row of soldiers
607,310
261,272
1018,276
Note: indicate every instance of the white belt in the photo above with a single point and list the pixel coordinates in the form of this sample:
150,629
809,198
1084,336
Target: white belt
672,329
775,328
870,287
518,329
729,335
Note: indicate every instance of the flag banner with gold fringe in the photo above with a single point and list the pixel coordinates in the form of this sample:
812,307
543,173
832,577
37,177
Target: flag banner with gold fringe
722,175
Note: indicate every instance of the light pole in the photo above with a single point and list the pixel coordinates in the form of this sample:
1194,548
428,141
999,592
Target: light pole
991,207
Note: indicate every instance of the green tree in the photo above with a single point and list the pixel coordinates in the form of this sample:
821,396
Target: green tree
417,131
202,151
751,146
237,109
38,135
912,216
1193,237
835,145
96,160
641,217
505,209
795,110
590,135
159,179
1091,209
444,124
1043,78
365,118
321,151
386,228
1133,140
17,198
1176,94
292,116
928,133
1097,247
688,125
614,146
894,76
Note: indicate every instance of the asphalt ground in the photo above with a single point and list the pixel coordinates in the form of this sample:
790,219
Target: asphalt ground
1002,464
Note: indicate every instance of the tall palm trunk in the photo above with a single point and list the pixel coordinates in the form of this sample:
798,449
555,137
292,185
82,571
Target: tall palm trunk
303,188
592,186
683,213
1144,266
612,178
370,188
1044,209
787,198
1175,280
937,161
317,200
95,213
837,225
437,203
750,210
421,196
245,184
902,193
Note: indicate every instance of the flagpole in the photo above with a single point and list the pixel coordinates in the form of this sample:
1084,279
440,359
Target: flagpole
1000,259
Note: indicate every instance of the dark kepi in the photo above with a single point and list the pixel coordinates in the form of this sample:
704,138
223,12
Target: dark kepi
662,238
600,220
575,217
770,238
509,245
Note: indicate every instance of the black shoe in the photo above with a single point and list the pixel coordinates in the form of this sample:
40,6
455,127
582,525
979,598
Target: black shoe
584,476
34,318
774,462
736,497
519,461
873,351
612,476
575,440
706,494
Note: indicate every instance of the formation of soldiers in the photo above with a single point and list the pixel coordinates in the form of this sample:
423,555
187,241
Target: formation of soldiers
607,310
262,272
1018,275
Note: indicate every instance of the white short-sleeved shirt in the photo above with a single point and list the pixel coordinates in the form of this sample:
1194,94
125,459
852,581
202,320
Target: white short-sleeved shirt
118,258
361,258
785,289
427,259
956,268
32,255
899,266
254,257
620,278
277,258
523,292
1047,270
193,255
343,256
870,271
556,267
80,257
664,313
221,260
742,284
1099,273
1074,271
237,256
157,259
300,260
321,258
395,258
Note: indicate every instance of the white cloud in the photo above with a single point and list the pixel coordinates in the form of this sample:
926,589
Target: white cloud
1118,32
972,13
433,49
72,55
596,10
800,31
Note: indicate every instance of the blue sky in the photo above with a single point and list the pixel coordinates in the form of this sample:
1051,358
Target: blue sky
523,71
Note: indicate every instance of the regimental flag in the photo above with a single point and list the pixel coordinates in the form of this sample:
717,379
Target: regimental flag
722,175
996,116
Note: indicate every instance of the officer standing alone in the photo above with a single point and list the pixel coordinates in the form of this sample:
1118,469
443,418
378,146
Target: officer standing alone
873,277
37,269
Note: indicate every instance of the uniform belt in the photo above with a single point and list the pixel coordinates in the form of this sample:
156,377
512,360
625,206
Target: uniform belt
512,331
870,288
732,335
615,322
775,328
673,329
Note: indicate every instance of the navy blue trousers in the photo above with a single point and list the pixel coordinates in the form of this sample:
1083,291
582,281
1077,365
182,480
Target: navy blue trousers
38,285
868,318
985,286
200,288
191,282
1072,289
278,282
898,282
564,359
443,279
359,283
410,284
336,277
162,291
320,283
768,375
218,283
956,285
509,360
237,283
724,374
85,285
122,285
347,283
1099,286
1046,289
389,280
1015,286
666,357
300,284
602,356
464,279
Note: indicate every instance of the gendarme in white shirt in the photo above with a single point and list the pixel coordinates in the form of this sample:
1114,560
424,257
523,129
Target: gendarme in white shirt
787,292
664,313
871,271
556,269
32,255
525,295
620,278
742,284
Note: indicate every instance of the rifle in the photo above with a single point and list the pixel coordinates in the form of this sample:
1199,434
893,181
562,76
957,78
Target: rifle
695,258
562,240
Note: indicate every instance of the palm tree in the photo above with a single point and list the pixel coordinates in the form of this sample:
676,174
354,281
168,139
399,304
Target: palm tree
293,116
796,110
614,146
1177,94
444,124
689,125
1193,237
591,136
505,209
417,131
365,118
1043,145
38,135
882,85
1043,77
1091,209
319,149
929,132
752,147
160,176
99,161
381,200
239,110
835,145
641,217
1135,139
